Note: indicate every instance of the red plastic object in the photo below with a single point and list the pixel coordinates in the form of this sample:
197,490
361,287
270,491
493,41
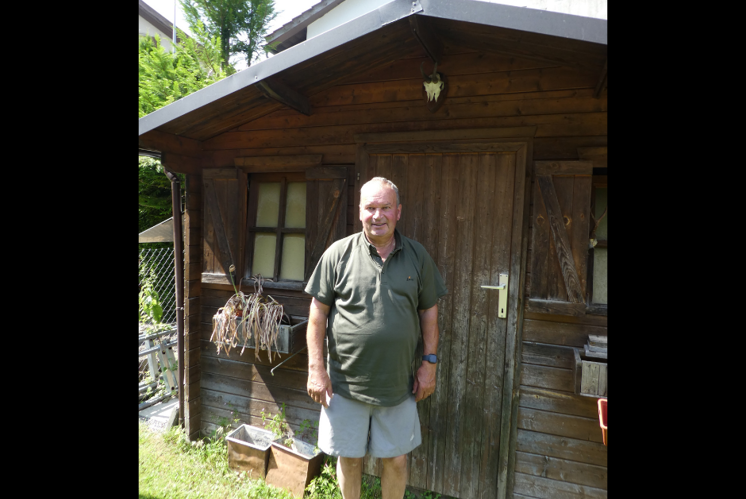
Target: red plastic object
602,417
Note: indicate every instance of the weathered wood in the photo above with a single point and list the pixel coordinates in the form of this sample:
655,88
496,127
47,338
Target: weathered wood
556,307
524,104
562,243
552,125
327,172
599,354
439,135
178,163
473,400
284,94
547,377
547,355
560,333
456,438
562,425
561,469
563,168
294,163
559,402
471,85
500,260
157,140
513,343
542,488
572,449
447,184
601,81
429,40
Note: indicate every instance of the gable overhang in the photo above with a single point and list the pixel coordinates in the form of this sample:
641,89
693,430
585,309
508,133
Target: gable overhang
379,36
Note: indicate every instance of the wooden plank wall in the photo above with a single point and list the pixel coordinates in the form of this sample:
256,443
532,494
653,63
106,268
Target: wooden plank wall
243,383
559,453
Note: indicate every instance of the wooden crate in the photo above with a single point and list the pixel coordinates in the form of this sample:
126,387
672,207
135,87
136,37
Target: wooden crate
590,375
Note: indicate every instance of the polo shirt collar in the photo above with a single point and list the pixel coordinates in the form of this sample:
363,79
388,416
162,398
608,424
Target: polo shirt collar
372,249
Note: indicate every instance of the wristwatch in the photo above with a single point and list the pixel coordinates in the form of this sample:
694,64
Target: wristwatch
431,358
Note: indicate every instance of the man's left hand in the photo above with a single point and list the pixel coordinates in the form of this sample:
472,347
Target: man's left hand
424,381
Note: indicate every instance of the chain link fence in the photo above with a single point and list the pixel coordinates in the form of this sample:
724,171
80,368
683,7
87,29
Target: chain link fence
157,267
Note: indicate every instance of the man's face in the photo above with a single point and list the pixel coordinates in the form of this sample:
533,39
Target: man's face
379,212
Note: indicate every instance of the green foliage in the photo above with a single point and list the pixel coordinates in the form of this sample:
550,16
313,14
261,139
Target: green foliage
150,307
240,24
278,425
166,77
154,191
325,486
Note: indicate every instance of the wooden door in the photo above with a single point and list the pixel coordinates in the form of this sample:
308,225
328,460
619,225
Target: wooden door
465,203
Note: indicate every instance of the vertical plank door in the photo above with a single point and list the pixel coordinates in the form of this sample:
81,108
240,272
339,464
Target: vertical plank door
466,206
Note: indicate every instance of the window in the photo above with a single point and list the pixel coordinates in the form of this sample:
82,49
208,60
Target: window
277,226
597,261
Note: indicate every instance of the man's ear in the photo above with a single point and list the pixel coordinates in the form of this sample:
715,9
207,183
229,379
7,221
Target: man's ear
398,213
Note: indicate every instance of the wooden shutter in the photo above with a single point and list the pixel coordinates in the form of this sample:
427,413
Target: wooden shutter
562,198
224,194
326,211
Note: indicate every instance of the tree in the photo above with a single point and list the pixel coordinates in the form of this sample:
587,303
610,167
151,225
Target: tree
165,78
240,24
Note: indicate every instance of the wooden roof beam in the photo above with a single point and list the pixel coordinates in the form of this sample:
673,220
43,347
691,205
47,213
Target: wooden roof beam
424,33
284,94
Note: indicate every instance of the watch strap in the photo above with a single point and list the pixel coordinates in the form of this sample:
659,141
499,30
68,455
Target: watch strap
432,358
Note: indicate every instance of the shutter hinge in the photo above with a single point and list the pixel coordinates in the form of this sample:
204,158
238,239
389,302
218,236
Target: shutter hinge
358,176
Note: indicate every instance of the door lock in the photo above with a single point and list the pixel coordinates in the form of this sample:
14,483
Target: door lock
502,297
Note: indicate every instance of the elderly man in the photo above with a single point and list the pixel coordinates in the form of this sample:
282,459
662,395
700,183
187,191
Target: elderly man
373,293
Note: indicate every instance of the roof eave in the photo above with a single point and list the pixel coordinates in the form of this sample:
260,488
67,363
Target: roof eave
518,18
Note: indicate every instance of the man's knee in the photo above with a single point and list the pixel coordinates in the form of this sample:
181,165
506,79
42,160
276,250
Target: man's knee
398,463
351,462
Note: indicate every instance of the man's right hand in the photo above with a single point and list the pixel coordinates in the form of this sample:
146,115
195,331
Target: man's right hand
319,386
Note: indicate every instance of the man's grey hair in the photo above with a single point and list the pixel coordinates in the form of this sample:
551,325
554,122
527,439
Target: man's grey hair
382,181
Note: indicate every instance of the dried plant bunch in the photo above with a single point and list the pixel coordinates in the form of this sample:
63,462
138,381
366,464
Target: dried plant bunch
247,316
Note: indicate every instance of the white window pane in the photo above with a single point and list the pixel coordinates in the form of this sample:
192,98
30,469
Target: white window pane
293,257
264,255
295,210
268,204
599,275
601,194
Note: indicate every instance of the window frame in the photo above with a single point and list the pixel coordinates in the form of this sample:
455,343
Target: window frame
599,180
253,181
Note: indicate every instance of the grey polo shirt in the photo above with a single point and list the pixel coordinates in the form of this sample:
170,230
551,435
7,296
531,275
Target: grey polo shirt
374,324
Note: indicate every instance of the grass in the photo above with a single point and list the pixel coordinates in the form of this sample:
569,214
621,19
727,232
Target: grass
171,467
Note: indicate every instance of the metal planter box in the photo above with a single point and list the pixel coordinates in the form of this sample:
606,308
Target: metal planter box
293,469
290,339
248,450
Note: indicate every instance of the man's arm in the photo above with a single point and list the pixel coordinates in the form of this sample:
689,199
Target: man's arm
319,384
424,382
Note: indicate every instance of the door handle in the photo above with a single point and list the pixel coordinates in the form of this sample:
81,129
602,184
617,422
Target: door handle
502,296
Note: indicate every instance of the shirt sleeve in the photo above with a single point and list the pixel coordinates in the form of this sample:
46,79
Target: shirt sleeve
321,283
433,286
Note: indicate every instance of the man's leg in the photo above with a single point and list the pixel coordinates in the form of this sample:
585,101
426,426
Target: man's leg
393,477
350,476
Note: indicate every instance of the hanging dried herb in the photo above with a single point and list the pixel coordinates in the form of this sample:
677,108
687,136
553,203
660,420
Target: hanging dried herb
247,316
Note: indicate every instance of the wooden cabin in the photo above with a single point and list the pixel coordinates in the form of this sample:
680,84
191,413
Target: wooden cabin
502,183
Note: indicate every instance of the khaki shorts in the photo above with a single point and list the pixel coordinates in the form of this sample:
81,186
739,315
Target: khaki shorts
350,428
